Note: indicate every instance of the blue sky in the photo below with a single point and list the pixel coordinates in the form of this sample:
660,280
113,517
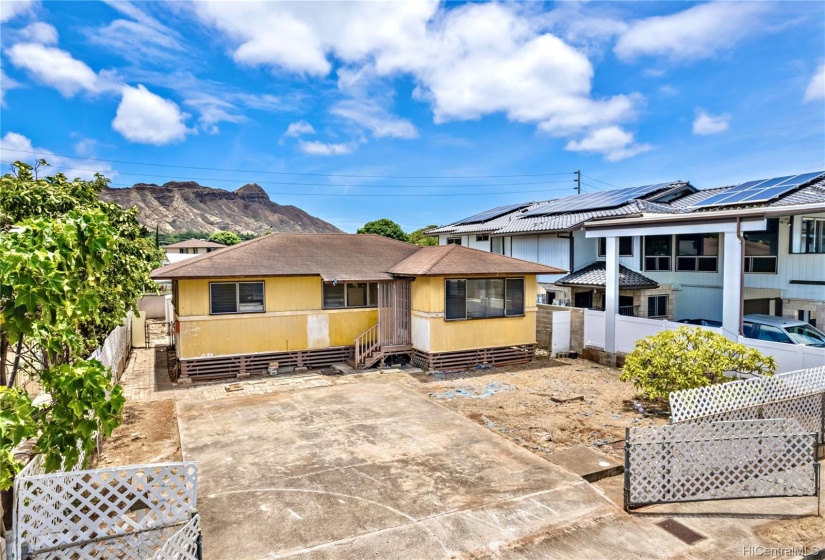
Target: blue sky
473,105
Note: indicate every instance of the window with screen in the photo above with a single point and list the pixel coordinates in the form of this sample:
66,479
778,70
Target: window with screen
657,306
658,250
762,249
812,235
453,241
625,246
484,298
697,252
236,297
350,294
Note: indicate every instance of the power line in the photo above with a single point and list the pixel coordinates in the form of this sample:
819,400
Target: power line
395,195
603,182
260,172
238,181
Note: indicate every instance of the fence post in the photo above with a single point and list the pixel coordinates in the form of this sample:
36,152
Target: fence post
627,446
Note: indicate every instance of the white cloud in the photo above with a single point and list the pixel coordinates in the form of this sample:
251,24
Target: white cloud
467,62
315,148
16,147
213,110
614,142
56,68
299,128
6,83
13,8
143,36
705,123
816,89
668,90
39,32
147,118
698,32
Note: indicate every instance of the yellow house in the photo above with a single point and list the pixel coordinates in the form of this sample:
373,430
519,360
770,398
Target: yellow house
313,300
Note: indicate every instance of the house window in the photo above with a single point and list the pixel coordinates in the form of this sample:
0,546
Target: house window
453,241
625,246
657,306
697,252
484,298
657,252
812,235
482,237
762,248
497,245
236,297
350,294
183,251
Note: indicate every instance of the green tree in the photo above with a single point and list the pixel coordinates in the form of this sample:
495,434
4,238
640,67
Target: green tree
687,358
386,228
418,238
71,268
225,237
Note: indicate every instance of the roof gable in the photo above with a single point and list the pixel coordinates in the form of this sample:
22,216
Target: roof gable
449,260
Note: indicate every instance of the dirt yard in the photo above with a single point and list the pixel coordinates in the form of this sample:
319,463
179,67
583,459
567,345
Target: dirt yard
149,434
516,402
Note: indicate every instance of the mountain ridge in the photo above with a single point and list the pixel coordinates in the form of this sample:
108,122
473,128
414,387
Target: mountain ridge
178,206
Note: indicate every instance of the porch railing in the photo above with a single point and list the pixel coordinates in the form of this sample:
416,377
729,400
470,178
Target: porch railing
366,344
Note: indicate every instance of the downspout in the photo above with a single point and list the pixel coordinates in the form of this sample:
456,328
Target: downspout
741,274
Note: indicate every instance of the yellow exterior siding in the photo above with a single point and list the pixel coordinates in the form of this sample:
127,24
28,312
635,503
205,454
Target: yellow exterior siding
432,333
446,336
346,326
288,293
293,320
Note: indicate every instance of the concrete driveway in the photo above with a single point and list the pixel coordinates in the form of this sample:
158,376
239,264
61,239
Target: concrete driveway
374,470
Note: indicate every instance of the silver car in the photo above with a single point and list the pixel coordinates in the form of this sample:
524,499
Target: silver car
780,329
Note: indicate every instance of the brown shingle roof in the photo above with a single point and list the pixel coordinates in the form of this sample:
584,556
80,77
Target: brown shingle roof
189,243
332,256
444,260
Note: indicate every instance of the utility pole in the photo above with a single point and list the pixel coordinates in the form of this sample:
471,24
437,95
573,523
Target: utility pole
579,181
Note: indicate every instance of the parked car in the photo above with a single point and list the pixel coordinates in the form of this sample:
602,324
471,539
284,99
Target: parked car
702,322
780,329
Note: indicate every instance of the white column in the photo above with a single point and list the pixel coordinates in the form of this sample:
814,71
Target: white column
732,285
611,293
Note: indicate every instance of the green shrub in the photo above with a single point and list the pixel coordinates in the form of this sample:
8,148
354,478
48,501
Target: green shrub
687,358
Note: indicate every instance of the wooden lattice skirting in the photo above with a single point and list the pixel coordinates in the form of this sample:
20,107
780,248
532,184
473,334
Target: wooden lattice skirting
498,356
221,367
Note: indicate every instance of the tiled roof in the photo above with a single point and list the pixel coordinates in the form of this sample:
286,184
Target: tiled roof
596,275
445,260
197,243
515,222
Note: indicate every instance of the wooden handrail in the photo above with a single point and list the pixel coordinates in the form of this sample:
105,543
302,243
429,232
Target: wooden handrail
366,344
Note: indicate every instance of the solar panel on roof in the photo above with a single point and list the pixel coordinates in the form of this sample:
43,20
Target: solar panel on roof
490,214
595,201
762,190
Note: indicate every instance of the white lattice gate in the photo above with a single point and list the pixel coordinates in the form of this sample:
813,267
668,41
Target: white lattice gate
134,512
751,438
718,461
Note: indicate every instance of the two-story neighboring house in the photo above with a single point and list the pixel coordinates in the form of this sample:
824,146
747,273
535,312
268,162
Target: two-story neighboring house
183,250
676,269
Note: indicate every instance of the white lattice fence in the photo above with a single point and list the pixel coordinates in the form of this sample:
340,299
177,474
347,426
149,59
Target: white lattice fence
83,514
719,460
796,394
112,353
184,544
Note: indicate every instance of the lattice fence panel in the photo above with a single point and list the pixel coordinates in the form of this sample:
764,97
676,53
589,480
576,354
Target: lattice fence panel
115,348
798,394
183,545
72,509
719,460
